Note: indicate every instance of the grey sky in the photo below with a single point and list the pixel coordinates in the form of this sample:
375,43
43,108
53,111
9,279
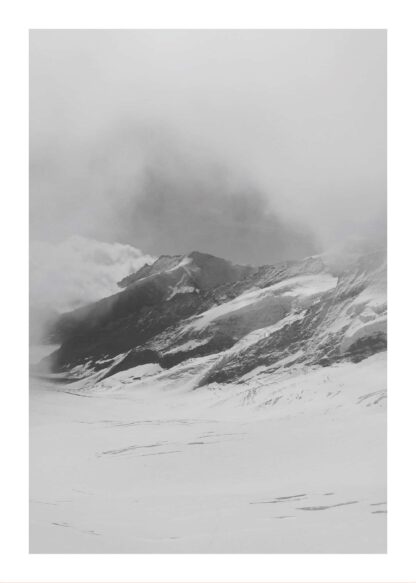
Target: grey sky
253,145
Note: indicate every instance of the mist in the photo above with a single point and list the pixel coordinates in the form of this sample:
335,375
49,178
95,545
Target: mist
254,145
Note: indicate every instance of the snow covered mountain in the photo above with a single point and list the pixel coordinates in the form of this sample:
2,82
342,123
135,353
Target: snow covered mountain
241,320
226,409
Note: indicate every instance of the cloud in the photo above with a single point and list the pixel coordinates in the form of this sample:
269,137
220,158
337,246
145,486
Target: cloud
186,203
77,271
281,128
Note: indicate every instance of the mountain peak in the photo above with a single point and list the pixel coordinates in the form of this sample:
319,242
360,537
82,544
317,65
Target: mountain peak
205,269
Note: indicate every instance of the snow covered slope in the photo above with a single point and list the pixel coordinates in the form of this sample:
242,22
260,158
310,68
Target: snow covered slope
242,416
288,462
316,312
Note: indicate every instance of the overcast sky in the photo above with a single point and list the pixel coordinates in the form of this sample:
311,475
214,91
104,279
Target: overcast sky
253,145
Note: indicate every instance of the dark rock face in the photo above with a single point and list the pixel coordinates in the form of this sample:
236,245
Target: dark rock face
313,312
203,270
163,263
365,347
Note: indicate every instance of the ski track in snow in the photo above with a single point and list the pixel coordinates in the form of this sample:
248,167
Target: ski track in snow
293,463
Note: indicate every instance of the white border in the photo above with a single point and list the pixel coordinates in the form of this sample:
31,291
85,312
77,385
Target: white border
15,562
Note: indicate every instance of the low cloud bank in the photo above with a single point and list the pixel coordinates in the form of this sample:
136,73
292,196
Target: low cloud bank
78,270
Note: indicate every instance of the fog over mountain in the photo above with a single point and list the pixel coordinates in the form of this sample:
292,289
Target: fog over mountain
208,291
255,146
78,271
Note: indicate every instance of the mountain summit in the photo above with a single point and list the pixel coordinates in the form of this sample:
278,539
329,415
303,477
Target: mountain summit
202,270
233,320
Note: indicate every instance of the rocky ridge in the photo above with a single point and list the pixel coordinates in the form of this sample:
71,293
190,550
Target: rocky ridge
237,321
